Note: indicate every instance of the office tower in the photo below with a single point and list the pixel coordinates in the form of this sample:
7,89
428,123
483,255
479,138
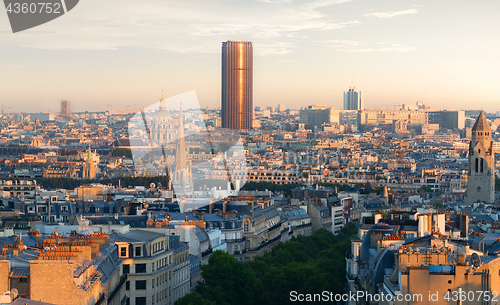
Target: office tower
316,116
237,85
65,110
481,177
281,108
449,119
352,100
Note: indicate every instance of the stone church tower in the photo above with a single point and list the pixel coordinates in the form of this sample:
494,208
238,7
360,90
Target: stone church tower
481,178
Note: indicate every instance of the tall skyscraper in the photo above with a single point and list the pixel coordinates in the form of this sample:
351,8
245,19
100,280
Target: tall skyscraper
65,110
237,85
352,100
481,178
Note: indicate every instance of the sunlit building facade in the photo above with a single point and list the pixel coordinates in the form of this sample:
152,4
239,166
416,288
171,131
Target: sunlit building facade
352,100
237,85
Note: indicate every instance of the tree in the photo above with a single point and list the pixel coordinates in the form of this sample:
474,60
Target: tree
228,281
194,298
122,152
306,264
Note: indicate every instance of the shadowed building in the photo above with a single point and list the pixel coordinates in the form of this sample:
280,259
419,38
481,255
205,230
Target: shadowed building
237,85
481,179
65,109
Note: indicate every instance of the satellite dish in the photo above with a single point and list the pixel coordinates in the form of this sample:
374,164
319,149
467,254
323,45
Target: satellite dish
14,293
152,185
476,260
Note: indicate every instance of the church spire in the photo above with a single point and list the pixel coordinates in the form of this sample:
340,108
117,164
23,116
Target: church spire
89,154
180,158
162,101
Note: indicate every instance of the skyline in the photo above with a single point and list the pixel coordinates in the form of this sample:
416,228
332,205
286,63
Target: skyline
306,52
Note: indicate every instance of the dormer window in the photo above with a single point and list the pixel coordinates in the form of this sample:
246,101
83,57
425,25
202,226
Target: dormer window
123,251
138,251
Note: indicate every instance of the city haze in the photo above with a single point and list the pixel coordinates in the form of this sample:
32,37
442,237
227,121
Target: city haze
121,53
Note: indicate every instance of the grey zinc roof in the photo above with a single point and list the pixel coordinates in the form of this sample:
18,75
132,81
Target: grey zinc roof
109,264
138,236
135,221
294,214
201,235
23,301
20,272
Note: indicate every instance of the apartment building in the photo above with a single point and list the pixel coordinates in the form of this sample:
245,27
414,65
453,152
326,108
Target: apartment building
148,262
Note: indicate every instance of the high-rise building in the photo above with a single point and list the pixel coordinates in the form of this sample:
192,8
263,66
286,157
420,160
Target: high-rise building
481,177
352,100
65,109
316,116
281,107
237,85
449,119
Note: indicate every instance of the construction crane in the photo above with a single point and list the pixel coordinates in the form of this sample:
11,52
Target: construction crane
3,107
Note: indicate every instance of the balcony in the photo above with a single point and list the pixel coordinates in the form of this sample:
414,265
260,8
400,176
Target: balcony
234,240
207,252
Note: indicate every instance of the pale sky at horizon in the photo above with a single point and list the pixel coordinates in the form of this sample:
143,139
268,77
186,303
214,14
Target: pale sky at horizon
122,52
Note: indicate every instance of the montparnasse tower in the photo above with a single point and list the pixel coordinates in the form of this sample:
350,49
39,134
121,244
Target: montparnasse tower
237,85
481,177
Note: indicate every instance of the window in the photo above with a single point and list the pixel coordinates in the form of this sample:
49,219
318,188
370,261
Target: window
138,251
140,268
140,285
449,281
245,227
127,285
482,164
140,301
23,280
123,251
477,165
126,269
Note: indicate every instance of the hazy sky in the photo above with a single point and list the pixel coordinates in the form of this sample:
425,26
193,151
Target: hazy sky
121,52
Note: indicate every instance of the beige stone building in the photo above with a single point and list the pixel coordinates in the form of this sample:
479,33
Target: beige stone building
63,269
431,269
157,267
299,223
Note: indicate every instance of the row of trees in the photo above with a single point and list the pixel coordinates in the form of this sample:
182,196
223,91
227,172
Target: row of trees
311,264
69,183
286,188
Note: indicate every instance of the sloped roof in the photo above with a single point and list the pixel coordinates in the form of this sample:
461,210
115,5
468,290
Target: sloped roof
481,123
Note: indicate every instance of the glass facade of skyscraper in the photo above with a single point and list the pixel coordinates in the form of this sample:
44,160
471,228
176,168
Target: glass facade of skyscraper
237,85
